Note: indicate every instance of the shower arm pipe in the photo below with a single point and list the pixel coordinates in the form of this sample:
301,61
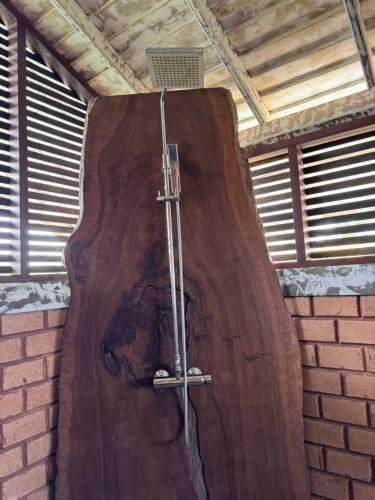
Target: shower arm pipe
168,214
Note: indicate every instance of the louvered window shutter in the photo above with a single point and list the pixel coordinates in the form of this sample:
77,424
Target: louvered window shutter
272,190
55,121
335,205
8,210
339,180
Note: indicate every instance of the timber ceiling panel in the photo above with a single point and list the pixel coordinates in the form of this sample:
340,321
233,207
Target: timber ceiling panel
290,55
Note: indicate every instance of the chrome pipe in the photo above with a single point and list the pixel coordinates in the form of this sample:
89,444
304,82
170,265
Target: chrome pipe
162,117
168,216
182,316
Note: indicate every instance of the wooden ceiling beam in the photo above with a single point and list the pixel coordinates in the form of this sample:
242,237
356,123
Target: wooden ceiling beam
79,20
48,51
351,86
300,79
308,75
298,54
309,119
358,28
282,32
229,57
249,14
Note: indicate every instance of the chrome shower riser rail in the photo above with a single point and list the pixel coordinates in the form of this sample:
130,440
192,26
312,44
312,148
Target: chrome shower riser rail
183,378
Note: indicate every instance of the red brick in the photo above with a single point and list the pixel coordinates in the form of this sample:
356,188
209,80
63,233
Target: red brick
314,456
362,440
311,404
363,491
370,358
10,350
23,427
357,331
53,365
298,306
41,447
319,380
44,342
24,483
344,410
349,465
333,356
335,306
321,330
308,354
44,493
317,431
56,317
21,322
11,404
22,374
41,394
10,461
368,306
361,385
328,486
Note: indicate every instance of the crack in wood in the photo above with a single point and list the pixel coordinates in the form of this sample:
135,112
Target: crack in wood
194,454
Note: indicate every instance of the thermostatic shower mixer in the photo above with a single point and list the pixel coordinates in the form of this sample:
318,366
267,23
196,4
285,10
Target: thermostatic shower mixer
175,68
163,380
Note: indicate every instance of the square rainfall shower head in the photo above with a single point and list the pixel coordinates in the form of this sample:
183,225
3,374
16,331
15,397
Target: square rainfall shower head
175,67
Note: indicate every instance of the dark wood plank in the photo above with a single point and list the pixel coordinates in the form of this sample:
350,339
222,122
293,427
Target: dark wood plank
119,439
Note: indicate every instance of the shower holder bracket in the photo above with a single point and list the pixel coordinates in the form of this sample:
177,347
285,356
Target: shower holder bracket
164,198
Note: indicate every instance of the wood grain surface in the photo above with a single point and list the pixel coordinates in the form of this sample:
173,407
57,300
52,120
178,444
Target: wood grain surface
119,439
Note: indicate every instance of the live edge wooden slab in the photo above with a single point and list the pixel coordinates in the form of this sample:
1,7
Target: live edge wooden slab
119,439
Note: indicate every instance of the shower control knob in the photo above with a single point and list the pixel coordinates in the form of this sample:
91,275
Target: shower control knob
161,374
194,371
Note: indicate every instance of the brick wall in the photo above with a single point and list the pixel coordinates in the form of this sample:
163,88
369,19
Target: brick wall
337,336
29,363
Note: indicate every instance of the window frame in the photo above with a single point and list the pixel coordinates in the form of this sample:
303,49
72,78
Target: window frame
22,34
293,145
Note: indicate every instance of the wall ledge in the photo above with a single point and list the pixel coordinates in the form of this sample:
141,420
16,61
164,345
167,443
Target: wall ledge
356,279
33,296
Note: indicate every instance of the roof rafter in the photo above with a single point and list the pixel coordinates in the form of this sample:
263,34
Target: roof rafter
79,20
309,118
322,71
298,54
282,32
358,28
229,57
